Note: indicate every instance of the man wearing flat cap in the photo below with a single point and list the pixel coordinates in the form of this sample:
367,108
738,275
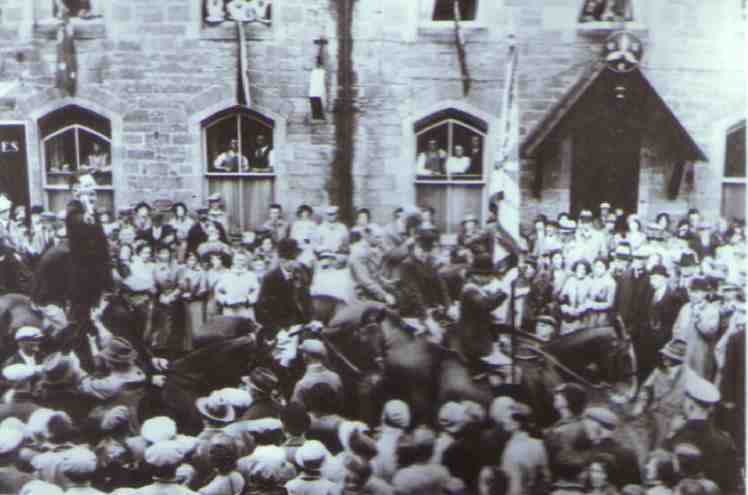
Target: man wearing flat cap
698,429
698,324
284,299
310,458
600,425
663,394
264,385
29,340
164,458
314,354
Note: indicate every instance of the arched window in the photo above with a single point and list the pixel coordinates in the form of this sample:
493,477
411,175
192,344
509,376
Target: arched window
239,161
73,139
450,165
444,10
734,178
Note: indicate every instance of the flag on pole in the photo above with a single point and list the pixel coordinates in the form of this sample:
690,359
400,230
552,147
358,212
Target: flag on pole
67,63
504,182
242,84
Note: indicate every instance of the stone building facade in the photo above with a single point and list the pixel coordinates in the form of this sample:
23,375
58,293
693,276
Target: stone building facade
157,90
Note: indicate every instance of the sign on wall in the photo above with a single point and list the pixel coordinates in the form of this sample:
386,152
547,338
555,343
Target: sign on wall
14,179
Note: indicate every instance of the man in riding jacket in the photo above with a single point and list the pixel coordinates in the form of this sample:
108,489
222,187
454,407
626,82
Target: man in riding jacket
284,298
421,287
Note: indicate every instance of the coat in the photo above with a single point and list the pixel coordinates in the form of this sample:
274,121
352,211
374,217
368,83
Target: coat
366,269
91,270
284,302
476,320
421,287
718,450
525,464
699,327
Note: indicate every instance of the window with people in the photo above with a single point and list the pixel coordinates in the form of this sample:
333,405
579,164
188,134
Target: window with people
450,147
239,141
75,139
216,12
606,11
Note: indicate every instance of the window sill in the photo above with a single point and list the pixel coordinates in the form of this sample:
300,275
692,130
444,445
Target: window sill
67,188
442,180
734,180
597,28
83,29
226,30
258,175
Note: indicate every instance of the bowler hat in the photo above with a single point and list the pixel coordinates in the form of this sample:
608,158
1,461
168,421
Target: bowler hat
119,350
288,248
675,350
659,270
482,265
263,379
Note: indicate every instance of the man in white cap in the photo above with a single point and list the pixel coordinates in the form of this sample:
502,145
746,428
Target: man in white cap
310,458
80,468
165,457
314,354
698,429
396,420
332,234
524,460
11,479
28,339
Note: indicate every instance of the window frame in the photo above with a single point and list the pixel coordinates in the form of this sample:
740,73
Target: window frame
606,27
477,23
43,150
236,112
728,180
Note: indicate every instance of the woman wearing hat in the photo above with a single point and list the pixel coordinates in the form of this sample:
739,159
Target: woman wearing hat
304,229
181,222
602,293
168,336
575,297
142,218
217,263
193,284
120,381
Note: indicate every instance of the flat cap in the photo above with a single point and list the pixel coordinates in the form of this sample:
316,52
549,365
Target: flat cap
10,440
313,348
18,372
164,454
158,429
604,416
28,333
396,413
701,390
311,455
79,460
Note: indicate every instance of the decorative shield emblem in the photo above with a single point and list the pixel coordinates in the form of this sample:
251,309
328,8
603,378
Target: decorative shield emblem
623,52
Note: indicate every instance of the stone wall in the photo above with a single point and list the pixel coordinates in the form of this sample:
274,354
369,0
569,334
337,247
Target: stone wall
156,73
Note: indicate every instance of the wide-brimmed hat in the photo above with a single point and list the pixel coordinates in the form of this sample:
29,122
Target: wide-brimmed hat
119,350
142,204
215,408
659,270
675,350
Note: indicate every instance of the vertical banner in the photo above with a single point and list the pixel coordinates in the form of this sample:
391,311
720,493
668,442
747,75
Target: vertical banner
242,84
504,181
14,163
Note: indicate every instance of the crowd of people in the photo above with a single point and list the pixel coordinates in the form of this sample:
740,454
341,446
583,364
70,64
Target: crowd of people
83,422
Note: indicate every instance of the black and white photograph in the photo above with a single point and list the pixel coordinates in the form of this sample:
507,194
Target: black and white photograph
373,247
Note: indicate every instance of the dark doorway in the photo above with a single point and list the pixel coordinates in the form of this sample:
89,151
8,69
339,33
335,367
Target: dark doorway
605,168
14,179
